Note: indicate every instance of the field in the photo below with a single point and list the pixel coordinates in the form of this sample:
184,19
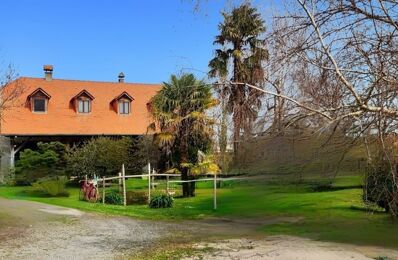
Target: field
336,215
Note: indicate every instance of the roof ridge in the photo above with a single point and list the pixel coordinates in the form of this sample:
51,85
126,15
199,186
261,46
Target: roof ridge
115,82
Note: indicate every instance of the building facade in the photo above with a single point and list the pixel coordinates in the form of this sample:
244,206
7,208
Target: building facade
49,109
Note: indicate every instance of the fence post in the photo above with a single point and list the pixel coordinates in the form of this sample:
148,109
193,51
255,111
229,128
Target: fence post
103,189
149,182
215,191
120,182
124,186
153,179
167,184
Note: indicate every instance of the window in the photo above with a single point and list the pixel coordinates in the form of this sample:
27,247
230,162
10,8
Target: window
38,101
124,107
39,105
84,106
82,102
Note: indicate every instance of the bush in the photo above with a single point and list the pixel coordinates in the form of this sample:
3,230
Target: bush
54,187
113,198
161,201
101,156
9,178
380,188
136,197
47,160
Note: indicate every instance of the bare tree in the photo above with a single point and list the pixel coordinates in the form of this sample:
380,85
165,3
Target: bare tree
354,49
345,73
10,89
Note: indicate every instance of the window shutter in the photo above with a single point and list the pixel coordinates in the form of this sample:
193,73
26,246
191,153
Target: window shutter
80,106
120,107
126,107
86,106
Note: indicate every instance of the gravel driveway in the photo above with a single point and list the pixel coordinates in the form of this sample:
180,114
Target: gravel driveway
288,248
31,230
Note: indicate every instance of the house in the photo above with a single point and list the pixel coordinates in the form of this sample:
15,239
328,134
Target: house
69,111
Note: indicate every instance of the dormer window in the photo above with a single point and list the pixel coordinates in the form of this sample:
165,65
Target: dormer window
122,104
83,105
82,102
39,101
39,104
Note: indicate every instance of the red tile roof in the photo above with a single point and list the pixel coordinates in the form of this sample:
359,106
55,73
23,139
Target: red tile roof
61,119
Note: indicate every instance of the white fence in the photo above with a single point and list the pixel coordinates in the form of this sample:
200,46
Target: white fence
122,183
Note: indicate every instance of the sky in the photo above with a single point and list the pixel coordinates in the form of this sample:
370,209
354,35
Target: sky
96,39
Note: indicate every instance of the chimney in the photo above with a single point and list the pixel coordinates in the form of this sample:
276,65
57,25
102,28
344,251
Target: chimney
48,72
121,77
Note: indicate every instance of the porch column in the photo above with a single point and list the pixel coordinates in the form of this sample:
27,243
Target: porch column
12,155
13,151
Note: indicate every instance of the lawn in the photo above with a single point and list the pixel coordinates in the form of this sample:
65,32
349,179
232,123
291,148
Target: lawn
337,215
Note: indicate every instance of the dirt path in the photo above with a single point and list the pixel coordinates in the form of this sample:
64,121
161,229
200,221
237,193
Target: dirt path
31,230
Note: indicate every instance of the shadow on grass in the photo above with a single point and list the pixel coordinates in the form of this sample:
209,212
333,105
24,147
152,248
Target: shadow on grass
329,188
37,194
364,209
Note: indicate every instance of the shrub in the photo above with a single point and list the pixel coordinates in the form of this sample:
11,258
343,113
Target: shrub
161,201
47,160
100,156
9,178
113,198
136,197
380,188
54,187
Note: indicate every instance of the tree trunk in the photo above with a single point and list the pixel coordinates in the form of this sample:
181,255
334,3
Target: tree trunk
188,188
239,99
223,138
236,135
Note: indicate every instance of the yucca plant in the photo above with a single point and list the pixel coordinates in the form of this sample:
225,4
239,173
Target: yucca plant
113,198
161,201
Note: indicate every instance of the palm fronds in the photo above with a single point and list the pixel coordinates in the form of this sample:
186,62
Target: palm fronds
179,109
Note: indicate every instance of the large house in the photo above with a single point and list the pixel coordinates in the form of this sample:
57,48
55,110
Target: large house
70,110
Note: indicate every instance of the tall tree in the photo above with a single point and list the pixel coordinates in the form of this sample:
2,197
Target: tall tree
184,129
240,59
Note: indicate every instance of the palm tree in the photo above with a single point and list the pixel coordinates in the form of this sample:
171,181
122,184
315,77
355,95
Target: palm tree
240,58
184,129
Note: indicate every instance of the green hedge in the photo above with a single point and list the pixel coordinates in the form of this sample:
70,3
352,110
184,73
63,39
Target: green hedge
54,187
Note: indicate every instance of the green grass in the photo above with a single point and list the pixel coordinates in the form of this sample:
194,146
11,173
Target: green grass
338,215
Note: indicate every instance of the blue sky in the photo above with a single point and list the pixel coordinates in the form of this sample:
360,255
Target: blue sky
96,39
